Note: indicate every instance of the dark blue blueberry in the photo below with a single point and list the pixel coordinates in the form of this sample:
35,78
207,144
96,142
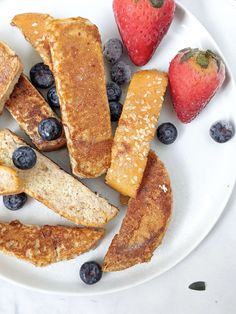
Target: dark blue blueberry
222,131
50,129
41,76
15,202
90,273
167,133
115,110
53,98
121,73
24,158
113,50
113,91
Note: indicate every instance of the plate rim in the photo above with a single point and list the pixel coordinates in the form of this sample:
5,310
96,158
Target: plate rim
186,253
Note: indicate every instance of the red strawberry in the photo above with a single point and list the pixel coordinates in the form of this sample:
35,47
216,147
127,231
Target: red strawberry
195,76
142,25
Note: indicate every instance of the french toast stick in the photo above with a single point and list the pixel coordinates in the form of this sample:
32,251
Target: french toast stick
78,68
55,188
136,129
146,221
29,108
45,245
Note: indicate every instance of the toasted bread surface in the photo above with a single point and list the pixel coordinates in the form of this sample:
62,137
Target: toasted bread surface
10,183
146,220
124,200
78,67
34,28
45,245
10,71
29,108
61,192
135,131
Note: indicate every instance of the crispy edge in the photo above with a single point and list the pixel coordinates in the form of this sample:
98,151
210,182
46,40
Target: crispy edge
125,251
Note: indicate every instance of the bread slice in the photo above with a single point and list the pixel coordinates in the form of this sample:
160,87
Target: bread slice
10,183
61,192
78,67
33,26
146,221
135,131
10,71
29,108
45,245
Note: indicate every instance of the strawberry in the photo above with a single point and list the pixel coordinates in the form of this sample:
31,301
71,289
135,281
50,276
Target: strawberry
194,76
142,25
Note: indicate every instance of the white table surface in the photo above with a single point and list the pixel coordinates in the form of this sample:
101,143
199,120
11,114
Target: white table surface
213,261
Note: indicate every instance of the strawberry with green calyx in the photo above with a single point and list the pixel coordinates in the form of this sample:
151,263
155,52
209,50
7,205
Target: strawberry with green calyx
195,76
142,25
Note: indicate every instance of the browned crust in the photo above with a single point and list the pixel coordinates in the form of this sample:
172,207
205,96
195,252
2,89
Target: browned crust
45,245
124,200
29,108
145,223
79,72
10,71
33,27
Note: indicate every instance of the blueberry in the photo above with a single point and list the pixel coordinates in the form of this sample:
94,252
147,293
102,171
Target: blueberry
15,202
90,273
41,76
113,50
24,158
121,73
50,129
167,133
222,131
113,91
115,110
53,98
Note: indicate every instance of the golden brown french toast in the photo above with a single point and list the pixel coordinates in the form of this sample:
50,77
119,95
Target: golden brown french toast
136,128
10,182
29,108
78,67
33,26
45,245
146,221
10,71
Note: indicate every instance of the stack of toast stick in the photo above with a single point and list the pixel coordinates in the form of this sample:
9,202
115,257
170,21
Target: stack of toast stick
72,49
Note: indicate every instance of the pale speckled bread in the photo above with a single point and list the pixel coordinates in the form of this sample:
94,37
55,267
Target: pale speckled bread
45,245
10,183
136,129
61,192
146,221
78,67
10,71
29,108
33,26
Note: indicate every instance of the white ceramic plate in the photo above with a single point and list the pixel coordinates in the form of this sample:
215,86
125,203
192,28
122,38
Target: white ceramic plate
200,170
